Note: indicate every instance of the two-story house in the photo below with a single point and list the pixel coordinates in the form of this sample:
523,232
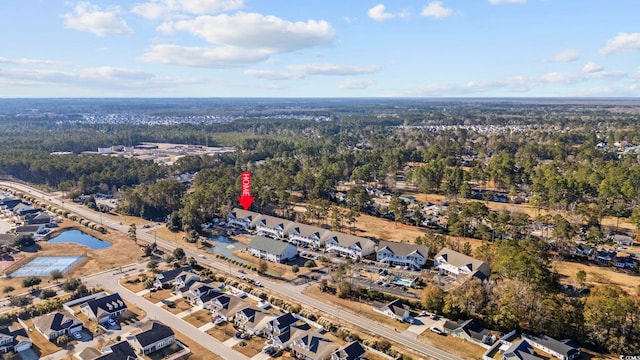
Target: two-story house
183,282
352,351
271,249
307,236
14,339
397,309
351,246
242,218
457,264
252,320
103,308
563,350
272,226
313,346
198,290
166,279
280,325
226,306
394,253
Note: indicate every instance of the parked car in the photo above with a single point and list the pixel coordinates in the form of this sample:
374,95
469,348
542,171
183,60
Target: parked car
241,271
218,321
77,335
201,256
111,322
269,349
258,284
436,330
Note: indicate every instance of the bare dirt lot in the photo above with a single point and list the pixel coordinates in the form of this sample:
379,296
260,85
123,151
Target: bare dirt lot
598,275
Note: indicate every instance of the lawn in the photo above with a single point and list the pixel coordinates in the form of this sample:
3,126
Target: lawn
198,318
250,347
179,306
197,351
159,295
41,345
452,344
363,309
223,332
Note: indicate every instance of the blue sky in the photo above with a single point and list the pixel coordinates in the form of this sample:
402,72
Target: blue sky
320,48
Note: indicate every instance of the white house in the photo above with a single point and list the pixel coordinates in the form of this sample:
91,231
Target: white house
394,253
351,246
252,320
307,235
242,218
563,350
103,308
456,264
226,306
55,324
313,346
14,339
272,226
622,240
271,249
396,309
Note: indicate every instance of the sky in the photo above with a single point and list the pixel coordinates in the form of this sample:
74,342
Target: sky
320,48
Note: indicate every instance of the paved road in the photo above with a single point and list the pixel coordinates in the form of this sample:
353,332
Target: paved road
287,289
109,281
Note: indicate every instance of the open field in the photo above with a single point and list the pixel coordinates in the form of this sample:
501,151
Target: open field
598,275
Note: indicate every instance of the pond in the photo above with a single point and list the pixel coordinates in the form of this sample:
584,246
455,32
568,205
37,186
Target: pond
226,246
79,237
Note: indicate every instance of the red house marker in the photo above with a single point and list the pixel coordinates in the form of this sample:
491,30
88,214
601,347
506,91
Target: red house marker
246,199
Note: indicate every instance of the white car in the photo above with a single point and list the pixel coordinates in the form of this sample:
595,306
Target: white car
111,322
436,330
258,284
201,256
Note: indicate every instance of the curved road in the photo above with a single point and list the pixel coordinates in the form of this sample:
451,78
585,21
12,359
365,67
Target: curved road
286,289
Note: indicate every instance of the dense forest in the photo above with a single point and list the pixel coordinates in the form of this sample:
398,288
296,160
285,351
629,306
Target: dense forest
578,158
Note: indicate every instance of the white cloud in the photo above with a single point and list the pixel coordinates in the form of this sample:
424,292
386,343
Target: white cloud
560,78
355,84
97,77
622,42
257,31
564,56
497,2
91,18
435,10
300,71
610,75
158,9
214,57
379,13
25,61
591,67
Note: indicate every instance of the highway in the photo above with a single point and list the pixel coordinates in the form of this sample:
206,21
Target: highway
286,289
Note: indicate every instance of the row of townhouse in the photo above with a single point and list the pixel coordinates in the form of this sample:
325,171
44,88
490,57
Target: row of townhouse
302,235
31,220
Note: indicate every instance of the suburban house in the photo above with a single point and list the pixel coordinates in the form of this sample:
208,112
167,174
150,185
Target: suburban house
604,256
581,250
393,253
37,219
520,350
226,306
8,203
167,278
198,291
307,235
14,339
469,330
23,209
154,336
563,350
271,249
183,282
622,239
284,340
55,324
313,346
352,351
351,246
396,309
242,218
117,351
103,308
456,264
280,325
252,320
31,230
624,262
272,226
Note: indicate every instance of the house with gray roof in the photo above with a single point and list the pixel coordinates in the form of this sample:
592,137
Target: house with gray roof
521,350
271,249
252,320
621,239
292,333
561,349
167,278
117,351
351,246
55,324
313,346
272,226
154,336
242,218
469,330
403,254
352,351
457,265
307,235
14,339
103,308
397,309
226,306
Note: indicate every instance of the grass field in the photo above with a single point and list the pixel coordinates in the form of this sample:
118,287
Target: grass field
452,344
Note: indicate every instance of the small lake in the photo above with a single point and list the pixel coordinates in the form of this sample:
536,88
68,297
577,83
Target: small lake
78,237
226,246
